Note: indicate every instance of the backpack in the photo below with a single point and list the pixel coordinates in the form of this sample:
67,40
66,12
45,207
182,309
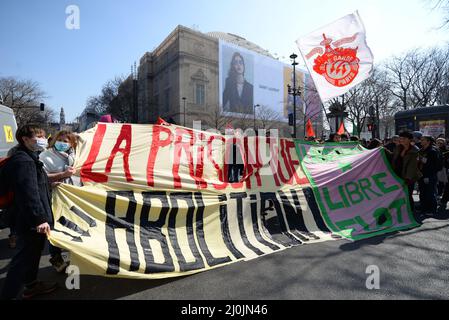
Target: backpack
6,196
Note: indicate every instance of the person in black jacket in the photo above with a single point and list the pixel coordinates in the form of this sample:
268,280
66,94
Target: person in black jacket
441,142
32,214
428,165
238,93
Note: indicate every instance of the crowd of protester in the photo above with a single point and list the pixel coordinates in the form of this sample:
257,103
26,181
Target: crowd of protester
38,164
421,161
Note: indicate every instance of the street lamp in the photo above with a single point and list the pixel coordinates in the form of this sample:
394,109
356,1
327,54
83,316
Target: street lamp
257,105
184,99
295,91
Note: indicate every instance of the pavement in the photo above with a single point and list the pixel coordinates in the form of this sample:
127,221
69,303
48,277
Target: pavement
413,264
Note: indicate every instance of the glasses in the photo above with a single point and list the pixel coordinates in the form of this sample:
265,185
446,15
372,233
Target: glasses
238,62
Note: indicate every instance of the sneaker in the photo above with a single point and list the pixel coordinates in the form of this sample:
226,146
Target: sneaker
58,263
39,288
12,242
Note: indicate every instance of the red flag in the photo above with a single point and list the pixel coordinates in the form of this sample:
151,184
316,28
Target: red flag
162,122
341,130
309,129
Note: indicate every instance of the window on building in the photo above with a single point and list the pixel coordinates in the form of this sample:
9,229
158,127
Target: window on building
200,94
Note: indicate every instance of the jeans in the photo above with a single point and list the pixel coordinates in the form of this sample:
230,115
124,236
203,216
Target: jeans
428,194
24,265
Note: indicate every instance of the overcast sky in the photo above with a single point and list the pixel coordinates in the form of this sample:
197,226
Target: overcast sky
72,65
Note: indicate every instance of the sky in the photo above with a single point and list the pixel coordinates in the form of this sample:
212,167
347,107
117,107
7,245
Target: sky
71,65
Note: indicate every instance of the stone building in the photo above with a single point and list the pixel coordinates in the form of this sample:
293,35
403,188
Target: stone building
186,65
179,82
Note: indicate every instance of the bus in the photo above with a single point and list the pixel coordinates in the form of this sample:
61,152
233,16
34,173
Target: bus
431,121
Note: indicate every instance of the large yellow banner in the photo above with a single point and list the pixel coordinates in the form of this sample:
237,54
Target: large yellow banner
159,201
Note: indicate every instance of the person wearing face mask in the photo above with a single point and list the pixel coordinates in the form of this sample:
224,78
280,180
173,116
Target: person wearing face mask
58,159
31,209
42,145
58,162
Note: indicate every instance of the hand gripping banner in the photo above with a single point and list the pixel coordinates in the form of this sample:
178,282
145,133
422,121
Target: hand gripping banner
157,201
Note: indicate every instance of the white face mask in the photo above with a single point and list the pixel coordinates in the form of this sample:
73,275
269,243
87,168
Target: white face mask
41,144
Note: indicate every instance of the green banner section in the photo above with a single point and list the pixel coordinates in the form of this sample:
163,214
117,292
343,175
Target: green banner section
357,192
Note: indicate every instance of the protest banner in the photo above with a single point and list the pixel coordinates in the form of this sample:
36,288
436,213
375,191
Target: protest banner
157,200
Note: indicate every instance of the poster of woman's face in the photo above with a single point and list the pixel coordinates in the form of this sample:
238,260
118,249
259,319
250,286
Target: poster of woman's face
237,79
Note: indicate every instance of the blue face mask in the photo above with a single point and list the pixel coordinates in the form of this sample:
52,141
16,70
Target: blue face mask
62,146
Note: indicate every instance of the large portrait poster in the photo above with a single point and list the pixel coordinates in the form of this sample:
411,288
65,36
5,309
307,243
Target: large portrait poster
248,79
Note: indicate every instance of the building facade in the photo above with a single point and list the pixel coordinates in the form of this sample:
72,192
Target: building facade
179,82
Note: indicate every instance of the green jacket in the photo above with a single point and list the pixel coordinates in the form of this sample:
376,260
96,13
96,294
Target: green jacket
410,169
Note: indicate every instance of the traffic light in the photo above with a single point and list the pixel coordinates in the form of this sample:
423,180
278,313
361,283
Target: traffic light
42,107
370,127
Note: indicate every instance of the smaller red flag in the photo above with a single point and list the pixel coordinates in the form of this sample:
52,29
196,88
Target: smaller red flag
162,122
341,130
309,129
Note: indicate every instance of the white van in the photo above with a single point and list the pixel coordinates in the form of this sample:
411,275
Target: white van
8,128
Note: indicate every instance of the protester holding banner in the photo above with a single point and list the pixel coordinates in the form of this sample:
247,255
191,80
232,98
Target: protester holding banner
374,144
42,141
58,161
405,162
31,209
238,93
59,158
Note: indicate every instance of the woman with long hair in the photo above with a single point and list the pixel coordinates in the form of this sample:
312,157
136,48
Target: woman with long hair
58,162
238,93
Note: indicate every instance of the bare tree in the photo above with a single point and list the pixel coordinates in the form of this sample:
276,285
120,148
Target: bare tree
24,97
357,102
430,77
267,118
442,5
243,121
215,118
122,105
416,77
403,71
115,98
